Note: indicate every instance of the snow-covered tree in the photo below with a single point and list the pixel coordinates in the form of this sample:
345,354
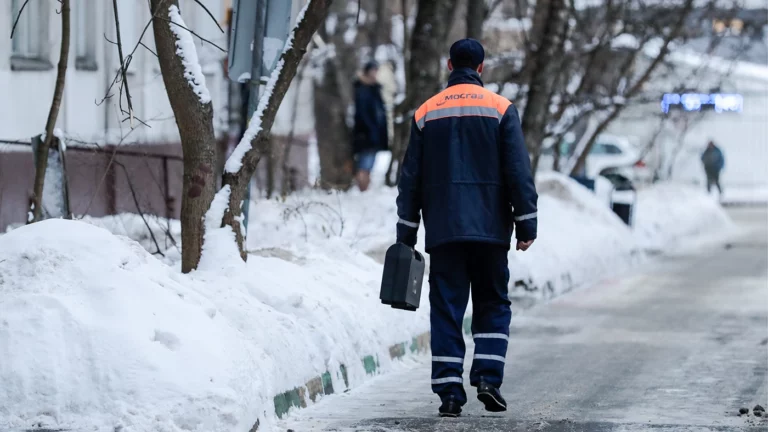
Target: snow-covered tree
191,104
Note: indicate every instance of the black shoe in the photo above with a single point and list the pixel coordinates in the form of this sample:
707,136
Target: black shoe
450,407
490,396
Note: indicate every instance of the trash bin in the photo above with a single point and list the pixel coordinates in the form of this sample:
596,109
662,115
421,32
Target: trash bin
402,278
585,181
623,197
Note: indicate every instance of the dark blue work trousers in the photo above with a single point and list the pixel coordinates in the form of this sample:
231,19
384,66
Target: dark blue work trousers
454,267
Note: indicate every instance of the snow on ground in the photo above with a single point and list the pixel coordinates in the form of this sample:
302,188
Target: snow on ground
669,214
167,232
97,333
745,195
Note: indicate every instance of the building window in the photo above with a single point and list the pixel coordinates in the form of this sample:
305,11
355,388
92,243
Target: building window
29,47
84,38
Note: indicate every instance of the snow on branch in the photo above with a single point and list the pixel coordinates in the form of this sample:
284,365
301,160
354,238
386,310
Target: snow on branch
280,78
241,165
187,52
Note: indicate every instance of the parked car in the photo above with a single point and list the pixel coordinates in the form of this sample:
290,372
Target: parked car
610,153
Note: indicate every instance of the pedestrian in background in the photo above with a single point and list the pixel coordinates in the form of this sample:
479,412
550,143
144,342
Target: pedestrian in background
370,133
713,161
467,169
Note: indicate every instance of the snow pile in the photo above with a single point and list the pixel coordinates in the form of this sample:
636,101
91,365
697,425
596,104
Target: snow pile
185,48
94,331
97,334
579,240
668,214
167,232
745,195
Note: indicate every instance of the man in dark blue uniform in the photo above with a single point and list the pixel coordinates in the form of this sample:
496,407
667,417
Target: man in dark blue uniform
468,171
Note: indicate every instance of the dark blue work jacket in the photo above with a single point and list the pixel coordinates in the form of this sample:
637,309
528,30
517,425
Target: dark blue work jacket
466,169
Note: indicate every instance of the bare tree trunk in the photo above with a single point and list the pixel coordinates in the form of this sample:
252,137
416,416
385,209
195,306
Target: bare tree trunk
270,174
381,27
332,95
542,63
53,114
333,135
194,120
246,156
477,13
400,136
429,44
286,186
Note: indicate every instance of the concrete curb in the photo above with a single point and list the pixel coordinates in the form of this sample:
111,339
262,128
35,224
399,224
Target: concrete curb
323,384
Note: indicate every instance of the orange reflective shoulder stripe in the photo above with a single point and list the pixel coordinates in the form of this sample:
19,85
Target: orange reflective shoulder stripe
420,116
462,100
503,105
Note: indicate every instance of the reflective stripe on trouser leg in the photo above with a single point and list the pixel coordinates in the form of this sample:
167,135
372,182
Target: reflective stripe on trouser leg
491,314
448,297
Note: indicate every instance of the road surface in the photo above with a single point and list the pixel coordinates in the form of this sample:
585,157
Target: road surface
680,345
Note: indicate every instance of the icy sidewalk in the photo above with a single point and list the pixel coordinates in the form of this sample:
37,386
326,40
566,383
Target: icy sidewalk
97,334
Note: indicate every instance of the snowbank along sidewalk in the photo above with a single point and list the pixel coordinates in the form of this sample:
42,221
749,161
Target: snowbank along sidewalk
98,334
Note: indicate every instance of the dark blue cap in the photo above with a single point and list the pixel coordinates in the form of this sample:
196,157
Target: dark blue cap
467,53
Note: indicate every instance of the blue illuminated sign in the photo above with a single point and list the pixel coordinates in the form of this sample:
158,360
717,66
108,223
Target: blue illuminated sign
720,102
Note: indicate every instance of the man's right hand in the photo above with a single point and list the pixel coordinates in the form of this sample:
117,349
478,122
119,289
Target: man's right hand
524,245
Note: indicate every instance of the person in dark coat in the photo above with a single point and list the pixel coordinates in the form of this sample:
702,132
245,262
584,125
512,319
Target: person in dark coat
468,171
713,161
370,134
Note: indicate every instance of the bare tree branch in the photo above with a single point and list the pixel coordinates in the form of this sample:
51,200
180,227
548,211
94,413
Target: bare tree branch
16,21
285,189
637,86
138,208
193,32
107,95
359,8
237,182
148,48
213,18
123,65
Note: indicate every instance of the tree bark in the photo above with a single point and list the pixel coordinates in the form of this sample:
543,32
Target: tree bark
287,185
429,45
333,135
542,62
194,120
332,95
477,12
237,181
380,30
42,150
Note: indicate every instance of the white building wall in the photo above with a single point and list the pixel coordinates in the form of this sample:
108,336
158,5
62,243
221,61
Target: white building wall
25,95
